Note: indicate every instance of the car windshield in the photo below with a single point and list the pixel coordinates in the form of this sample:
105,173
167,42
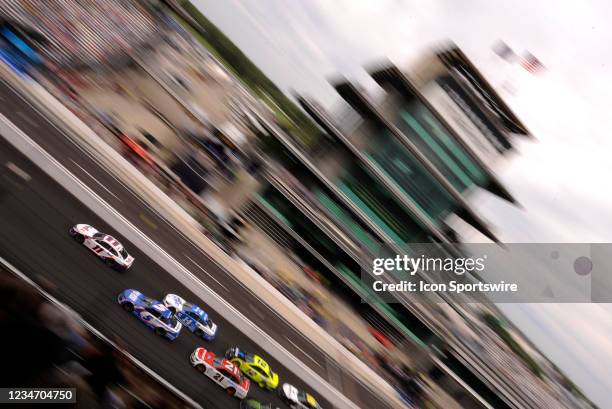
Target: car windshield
99,235
171,321
148,301
307,400
123,253
218,361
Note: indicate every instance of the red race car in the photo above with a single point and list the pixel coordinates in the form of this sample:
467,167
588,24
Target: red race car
223,372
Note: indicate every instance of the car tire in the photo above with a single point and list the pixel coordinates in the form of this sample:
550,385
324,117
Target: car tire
79,238
160,331
111,263
230,391
262,385
128,306
198,332
200,368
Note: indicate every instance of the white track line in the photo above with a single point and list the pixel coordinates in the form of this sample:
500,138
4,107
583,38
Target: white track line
95,180
205,272
304,352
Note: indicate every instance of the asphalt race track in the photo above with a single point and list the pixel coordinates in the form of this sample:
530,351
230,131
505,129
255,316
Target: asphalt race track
35,215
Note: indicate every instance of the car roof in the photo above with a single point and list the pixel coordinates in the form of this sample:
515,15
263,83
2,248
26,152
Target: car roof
165,312
195,309
245,356
226,364
113,242
260,362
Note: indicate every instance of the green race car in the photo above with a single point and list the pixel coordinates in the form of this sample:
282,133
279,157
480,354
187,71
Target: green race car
253,404
254,367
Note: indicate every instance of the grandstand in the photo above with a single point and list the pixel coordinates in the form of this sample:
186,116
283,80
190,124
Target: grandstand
85,33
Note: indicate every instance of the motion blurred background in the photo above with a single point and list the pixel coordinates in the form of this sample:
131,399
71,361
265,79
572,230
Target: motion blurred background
261,122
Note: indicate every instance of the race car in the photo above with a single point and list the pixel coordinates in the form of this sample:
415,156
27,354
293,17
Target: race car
103,245
223,372
152,312
296,399
191,316
254,367
254,404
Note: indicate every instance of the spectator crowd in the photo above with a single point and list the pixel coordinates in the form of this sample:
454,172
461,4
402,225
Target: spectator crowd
77,33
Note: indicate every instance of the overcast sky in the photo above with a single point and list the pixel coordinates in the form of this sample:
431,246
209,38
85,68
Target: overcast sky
562,180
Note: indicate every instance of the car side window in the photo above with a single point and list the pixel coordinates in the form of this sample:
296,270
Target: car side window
153,312
259,370
107,246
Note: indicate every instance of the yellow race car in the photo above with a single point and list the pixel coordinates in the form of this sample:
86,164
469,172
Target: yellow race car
254,367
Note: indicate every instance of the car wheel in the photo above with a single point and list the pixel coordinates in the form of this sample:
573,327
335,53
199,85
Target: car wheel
110,262
200,368
160,331
198,332
231,391
128,306
262,385
79,238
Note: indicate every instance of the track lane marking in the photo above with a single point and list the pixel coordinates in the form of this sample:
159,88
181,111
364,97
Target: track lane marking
206,272
95,180
147,220
18,171
304,352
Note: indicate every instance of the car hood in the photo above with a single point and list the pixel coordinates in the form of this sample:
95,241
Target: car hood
175,301
274,380
290,392
86,229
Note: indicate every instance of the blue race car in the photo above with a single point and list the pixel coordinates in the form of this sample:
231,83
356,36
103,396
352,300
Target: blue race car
152,312
194,318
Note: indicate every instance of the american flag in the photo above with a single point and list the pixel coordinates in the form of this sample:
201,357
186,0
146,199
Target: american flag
531,63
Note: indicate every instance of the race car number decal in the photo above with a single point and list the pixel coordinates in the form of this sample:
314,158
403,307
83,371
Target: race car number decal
218,377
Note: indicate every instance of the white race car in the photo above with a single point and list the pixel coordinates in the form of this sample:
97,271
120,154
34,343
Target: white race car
194,318
297,399
102,245
222,371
